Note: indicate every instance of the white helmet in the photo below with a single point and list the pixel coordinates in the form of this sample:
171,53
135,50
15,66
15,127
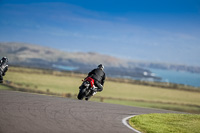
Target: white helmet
101,66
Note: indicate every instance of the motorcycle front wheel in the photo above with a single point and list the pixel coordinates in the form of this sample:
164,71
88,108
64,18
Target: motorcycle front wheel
81,94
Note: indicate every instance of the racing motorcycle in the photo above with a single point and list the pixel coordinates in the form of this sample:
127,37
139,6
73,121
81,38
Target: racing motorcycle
3,68
87,89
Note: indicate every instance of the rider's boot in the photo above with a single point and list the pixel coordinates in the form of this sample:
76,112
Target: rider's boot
93,93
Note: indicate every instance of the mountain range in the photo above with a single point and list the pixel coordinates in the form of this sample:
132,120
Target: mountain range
23,54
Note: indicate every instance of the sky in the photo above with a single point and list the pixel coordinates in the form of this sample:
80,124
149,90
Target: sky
166,31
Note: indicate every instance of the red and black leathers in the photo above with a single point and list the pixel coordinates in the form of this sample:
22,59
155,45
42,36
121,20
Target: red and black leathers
99,77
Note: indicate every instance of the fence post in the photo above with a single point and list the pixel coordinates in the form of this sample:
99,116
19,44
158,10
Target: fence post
101,99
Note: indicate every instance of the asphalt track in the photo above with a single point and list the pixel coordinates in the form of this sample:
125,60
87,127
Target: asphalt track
33,113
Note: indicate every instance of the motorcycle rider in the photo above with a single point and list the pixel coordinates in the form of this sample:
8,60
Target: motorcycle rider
3,68
99,77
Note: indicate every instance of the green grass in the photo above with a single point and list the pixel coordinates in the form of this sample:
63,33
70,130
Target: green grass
131,91
2,87
120,93
155,105
58,84
166,123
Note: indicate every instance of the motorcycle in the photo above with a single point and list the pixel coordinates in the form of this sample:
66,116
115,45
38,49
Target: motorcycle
87,89
3,68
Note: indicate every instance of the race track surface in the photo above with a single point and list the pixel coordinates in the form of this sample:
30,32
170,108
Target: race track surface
33,113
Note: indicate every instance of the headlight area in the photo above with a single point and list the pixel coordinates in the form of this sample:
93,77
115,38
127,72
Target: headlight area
86,84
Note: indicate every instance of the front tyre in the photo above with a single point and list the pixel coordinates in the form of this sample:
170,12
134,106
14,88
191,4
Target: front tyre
81,94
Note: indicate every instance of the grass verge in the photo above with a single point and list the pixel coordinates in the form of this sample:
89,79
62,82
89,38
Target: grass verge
166,123
66,84
182,108
3,87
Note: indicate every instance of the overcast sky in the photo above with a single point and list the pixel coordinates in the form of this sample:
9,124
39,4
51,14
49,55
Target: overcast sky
148,30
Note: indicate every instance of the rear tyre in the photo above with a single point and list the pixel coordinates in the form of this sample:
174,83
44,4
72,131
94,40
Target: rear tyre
1,78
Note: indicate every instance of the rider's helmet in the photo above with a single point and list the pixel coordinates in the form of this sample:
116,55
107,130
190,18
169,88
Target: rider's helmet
101,66
4,59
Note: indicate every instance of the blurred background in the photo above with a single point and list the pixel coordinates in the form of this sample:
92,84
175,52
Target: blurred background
151,42
148,34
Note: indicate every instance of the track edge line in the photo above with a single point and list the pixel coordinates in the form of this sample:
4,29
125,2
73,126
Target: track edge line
124,121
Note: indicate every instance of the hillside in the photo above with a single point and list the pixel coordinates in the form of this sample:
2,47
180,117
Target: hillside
23,54
18,52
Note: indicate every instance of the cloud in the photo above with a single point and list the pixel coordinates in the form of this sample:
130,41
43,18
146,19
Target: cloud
73,26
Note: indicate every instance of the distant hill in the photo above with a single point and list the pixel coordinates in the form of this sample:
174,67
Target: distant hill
22,54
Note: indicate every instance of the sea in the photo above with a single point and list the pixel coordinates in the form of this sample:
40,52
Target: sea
178,77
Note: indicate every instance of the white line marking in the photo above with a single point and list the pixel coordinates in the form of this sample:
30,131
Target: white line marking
124,121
